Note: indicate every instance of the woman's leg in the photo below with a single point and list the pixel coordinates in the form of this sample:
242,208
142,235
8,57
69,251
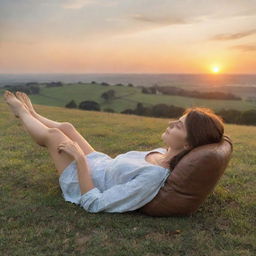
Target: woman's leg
67,128
41,134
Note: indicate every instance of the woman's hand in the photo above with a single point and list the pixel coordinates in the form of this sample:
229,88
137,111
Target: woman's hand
72,148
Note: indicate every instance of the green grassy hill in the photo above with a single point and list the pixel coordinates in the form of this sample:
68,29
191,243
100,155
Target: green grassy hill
129,96
35,219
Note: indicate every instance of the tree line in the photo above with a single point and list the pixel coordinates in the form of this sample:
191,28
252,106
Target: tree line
172,90
233,116
158,110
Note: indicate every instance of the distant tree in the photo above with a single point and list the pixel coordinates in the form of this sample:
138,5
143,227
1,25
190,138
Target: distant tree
174,111
34,89
54,84
127,111
140,110
230,115
111,93
160,110
130,85
89,105
218,95
144,90
93,82
24,88
248,117
119,84
105,96
152,90
71,104
108,95
108,110
105,84
172,90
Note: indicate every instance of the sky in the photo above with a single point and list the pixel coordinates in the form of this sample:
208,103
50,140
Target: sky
128,36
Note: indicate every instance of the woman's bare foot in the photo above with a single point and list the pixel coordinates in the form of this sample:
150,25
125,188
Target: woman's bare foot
18,95
23,97
15,104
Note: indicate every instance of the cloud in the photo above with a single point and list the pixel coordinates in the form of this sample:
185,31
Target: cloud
244,47
159,20
77,4
227,36
84,19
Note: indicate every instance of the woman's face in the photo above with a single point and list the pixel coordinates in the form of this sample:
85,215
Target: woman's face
175,134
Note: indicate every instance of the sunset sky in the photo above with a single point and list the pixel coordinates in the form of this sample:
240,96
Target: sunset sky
127,36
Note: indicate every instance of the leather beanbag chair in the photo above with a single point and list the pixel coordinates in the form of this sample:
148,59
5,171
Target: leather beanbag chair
191,181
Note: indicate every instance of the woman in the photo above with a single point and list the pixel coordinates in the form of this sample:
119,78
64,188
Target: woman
97,182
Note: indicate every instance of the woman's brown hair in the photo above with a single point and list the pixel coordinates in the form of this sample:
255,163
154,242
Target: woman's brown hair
203,127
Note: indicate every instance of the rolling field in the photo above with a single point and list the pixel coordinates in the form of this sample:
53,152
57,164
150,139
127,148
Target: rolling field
35,219
129,96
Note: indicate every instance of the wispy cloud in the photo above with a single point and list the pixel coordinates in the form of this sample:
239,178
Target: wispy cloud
159,20
77,4
228,36
244,47
80,33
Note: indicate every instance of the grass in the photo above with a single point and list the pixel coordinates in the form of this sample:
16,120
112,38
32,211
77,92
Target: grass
35,219
60,96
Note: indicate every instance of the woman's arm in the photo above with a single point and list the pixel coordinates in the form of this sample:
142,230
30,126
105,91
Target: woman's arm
128,196
84,175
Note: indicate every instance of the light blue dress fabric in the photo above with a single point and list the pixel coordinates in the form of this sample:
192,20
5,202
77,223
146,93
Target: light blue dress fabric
124,183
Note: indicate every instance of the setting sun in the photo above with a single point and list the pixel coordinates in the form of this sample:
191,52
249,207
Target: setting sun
215,69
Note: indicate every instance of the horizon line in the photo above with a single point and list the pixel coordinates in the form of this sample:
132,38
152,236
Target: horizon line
125,73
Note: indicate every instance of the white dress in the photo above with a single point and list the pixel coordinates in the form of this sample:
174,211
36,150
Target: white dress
124,183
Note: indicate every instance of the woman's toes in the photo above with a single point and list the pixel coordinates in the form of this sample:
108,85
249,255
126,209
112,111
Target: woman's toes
7,94
25,96
28,103
14,103
19,96
25,99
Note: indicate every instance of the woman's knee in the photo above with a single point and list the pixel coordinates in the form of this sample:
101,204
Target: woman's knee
54,133
66,127
53,130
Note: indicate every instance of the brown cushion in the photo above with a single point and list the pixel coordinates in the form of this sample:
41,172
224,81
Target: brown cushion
191,181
